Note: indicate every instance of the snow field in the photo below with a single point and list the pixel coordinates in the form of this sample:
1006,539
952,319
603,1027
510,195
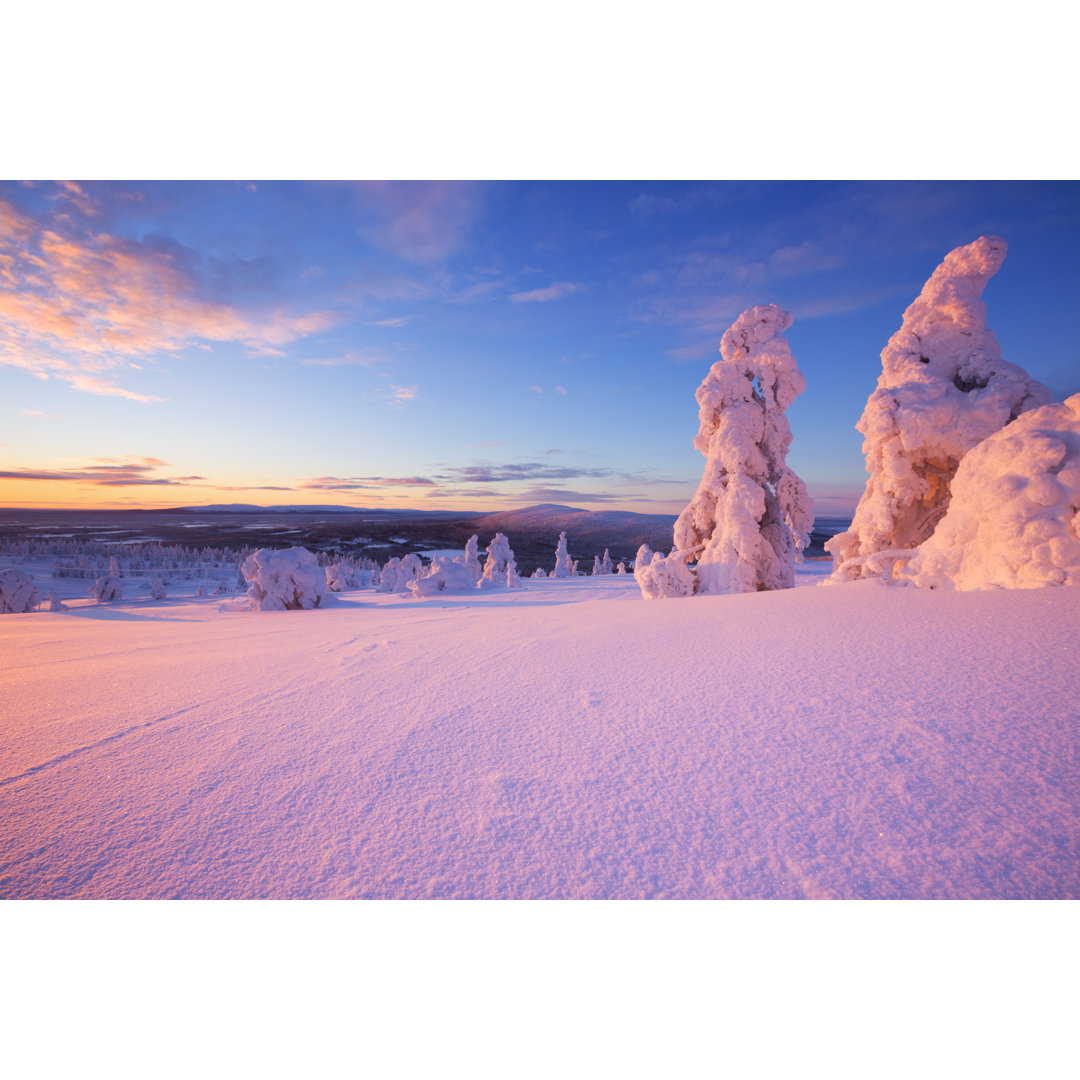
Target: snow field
566,739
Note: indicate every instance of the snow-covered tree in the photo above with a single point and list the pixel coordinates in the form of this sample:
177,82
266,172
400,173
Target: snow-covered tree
471,559
284,580
751,516
341,576
943,389
55,603
596,571
539,572
110,587
621,568
564,568
157,589
18,593
389,576
1014,517
605,563
445,575
498,564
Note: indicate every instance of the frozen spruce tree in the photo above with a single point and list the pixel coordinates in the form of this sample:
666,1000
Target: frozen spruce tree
499,566
605,564
1014,518
18,593
596,566
751,516
471,559
564,567
285,579
943,389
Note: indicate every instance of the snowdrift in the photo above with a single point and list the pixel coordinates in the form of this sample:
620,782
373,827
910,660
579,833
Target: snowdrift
561,740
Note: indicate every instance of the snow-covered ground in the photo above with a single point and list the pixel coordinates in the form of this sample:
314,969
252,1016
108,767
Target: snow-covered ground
567,739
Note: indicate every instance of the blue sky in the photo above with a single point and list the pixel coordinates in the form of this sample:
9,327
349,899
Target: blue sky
468,345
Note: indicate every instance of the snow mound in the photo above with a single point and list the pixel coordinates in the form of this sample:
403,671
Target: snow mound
751,516
1014,518
445,575
661,576
282,580
943,389
18,594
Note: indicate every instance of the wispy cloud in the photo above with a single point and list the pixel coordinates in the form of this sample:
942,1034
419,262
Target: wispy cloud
363,483
106,472
529,470
83,306
555,291
396,396
401,320
422,221
34,414
350,358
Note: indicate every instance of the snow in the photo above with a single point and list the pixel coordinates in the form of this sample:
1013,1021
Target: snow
564,739
944,387
751,515
1014,518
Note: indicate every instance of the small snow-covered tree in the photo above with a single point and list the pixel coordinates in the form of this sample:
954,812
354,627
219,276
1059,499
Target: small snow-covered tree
286,579
1014,517
341,576
157,589
539,572
18,593
621,568
605,564
110,587
564,567
498,564
389,576
943,389
751,516
596,566
55,603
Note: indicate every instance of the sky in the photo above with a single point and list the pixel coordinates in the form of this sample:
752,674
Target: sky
468,345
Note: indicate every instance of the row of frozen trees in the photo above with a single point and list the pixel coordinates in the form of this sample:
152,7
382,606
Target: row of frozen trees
278,578
974,476
292,578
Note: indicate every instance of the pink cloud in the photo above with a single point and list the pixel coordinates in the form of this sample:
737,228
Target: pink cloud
80,306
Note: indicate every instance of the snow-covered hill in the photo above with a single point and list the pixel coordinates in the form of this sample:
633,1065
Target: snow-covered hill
566,740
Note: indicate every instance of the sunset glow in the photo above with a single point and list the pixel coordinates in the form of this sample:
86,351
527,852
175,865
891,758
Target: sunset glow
465,345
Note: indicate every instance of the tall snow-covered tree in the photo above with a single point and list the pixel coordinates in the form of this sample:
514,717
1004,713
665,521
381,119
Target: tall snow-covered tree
564,566
944,387
751,516
472,559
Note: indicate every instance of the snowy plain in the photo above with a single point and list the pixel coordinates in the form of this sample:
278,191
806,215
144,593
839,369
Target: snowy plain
566,740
